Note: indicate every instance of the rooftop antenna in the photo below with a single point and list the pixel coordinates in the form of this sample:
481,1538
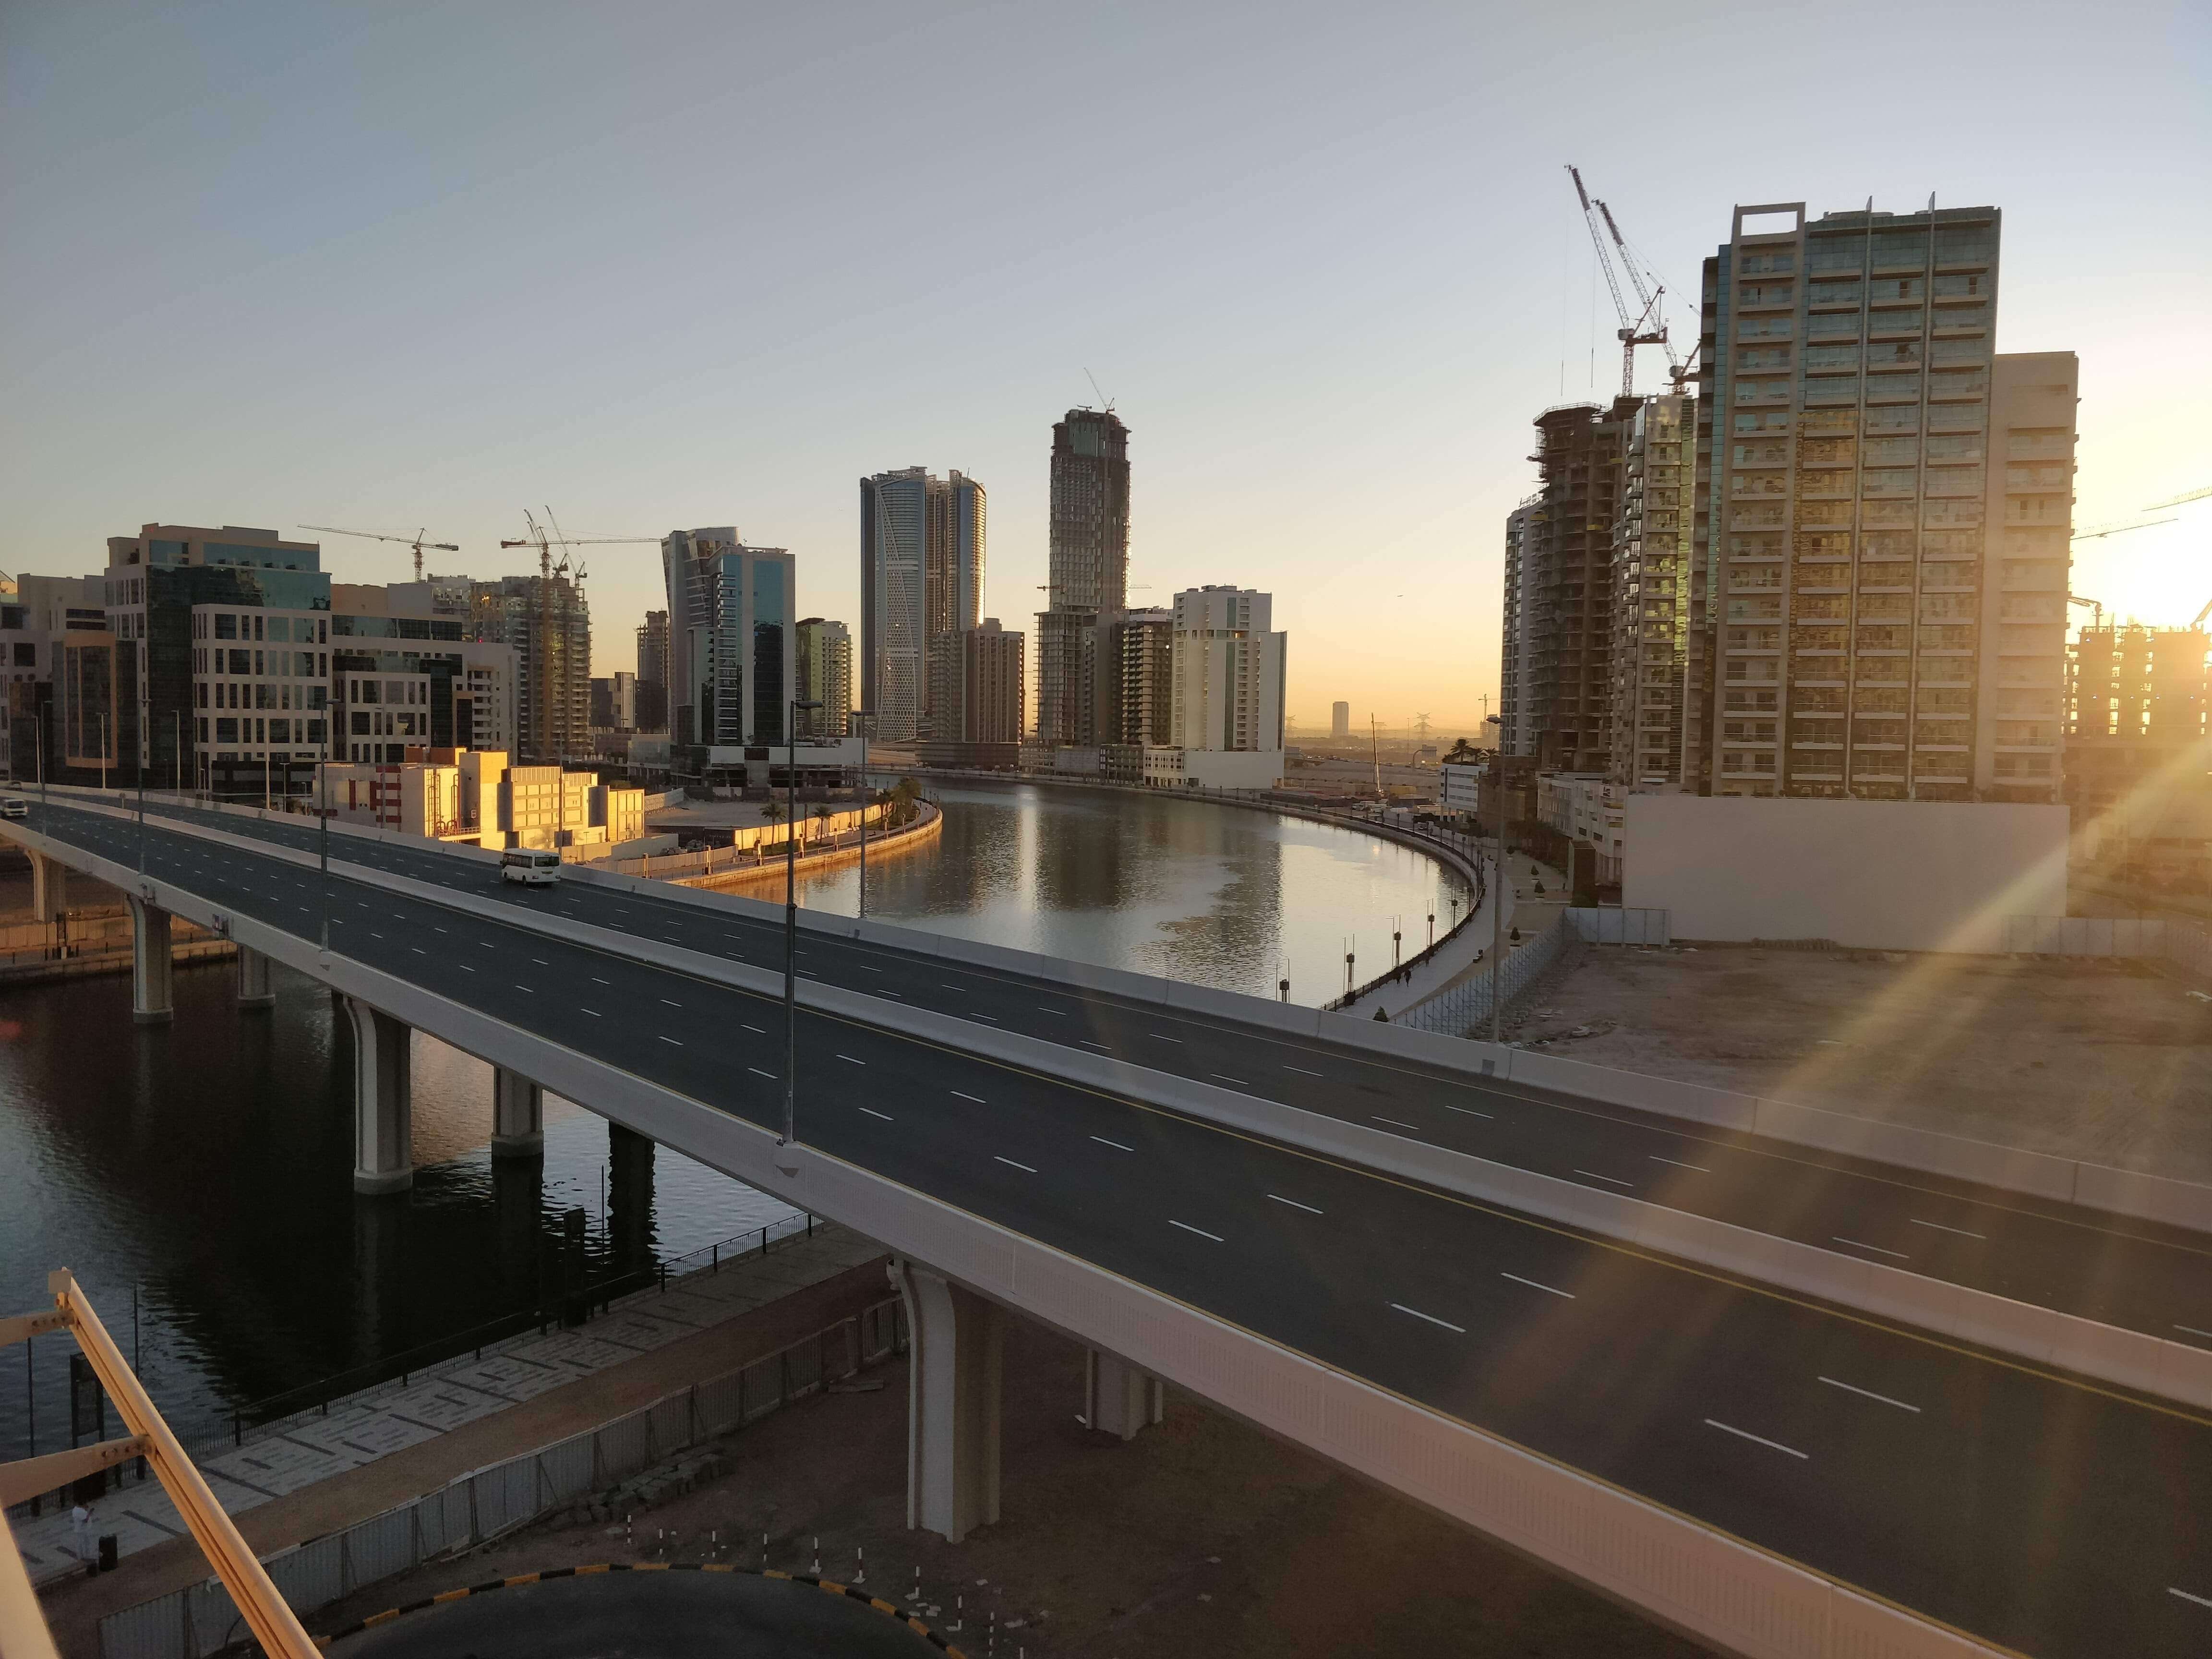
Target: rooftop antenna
1105,402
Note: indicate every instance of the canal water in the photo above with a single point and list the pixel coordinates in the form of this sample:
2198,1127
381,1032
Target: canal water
197,1177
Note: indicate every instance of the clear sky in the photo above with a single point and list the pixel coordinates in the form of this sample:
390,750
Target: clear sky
667,265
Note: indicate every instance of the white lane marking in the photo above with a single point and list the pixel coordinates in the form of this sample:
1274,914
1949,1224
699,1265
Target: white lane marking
1468,1111
596,979
1057,1013
978,1099
437,930
1295,1204
1869,1394
418,950
593,1012
372,933
1225,1077
541,962
865,969
464,967
994,1019
1941,1228
525,988
850,1061
1394,1123
1091,1042
1155,1036
757,1030
1024,1168
1200,1231
1615,1180
1757,1440
1678,1163
872,1112
670,1005
1839,1239
2200,1600
672,1043
757,1072
1533,1285
2193,1331
480,946
1288,1068
1115,1145
1432,1318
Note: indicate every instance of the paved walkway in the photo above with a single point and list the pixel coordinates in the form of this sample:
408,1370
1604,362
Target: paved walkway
307,1476
1460,954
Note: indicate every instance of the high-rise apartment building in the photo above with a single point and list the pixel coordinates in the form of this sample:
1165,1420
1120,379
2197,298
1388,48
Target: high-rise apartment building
1881,584
407,672
651,713
922,548
548,623
1651,555
1144,654
733,666
2139,746
1556,704
1339,721
1088,558
825,675
990,695
1229,669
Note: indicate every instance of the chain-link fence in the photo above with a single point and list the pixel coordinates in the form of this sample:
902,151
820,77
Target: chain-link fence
477,1507
2184,943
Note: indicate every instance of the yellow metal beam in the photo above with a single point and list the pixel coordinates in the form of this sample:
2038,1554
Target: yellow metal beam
267,1614
28,1476
19,1327
23,1632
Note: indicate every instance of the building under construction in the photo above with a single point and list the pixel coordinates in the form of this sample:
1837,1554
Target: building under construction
546,620
2139,748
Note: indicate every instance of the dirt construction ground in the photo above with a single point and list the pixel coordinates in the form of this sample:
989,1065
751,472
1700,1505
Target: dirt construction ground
2106,1060
1199,1537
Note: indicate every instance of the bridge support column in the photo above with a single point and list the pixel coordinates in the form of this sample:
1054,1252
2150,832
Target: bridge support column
952,1435
49,888
150,966
518,1116
1118,1398
383,1100
254,990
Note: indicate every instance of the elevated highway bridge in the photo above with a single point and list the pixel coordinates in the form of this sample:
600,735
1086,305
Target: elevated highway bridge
1248,1203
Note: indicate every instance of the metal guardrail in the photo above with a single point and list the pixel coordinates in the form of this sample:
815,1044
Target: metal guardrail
201,1620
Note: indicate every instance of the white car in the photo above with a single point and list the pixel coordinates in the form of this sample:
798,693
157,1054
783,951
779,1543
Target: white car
15,806
533,867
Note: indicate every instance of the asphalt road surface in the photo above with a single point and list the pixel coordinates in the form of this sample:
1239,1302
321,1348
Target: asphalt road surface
645,1615
2051,1515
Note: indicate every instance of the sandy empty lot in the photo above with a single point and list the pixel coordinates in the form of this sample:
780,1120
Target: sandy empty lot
2104,1060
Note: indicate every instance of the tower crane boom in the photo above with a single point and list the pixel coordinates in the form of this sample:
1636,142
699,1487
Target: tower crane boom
415,541
1643,328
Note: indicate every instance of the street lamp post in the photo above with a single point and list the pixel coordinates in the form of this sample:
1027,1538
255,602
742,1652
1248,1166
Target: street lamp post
869,715
790,1135
323,833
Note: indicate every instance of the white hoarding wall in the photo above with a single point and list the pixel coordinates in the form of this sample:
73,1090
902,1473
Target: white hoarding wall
1879,875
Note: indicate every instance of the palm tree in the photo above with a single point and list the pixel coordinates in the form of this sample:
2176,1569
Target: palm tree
822,814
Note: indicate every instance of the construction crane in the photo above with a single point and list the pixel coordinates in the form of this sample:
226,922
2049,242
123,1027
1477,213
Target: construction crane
545,538
1645,328
2193,496
2097,626
415,541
